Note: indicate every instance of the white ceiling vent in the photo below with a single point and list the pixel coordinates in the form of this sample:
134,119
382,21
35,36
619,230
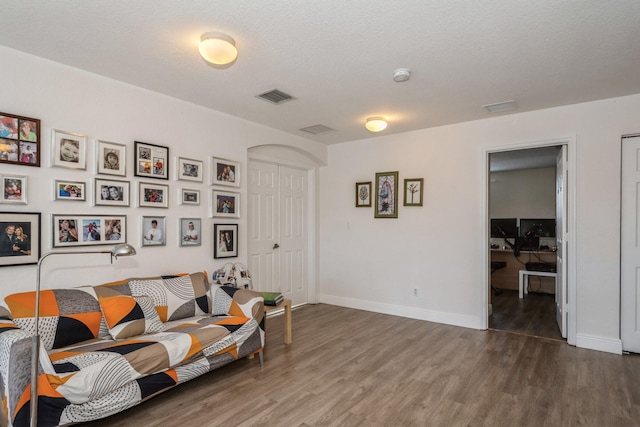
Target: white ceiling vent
499,107
276,96
317,129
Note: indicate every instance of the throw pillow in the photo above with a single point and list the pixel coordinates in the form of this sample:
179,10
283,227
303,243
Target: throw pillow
128,316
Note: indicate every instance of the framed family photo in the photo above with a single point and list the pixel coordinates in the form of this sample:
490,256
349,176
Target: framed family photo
225,204
189,197
19,140
69,190
110,192
112,158
190,231
413,191
69,150
225,172
386,205
151,161
88,230
363,194
13,189
226,240
153,195
19,238
189,169
153,231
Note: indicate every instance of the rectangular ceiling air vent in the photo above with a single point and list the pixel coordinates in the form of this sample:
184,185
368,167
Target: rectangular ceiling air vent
317,129
499,107
276,96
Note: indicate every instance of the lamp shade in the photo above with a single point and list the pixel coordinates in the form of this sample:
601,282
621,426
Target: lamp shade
218,48
123,250
376,124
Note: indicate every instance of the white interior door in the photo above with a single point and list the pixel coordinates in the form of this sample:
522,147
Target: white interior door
278,240
630,245
561,241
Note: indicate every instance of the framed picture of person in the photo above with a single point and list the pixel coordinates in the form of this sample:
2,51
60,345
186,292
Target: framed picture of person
112,158
110,192
19,140
13,189
189,197
386,203
69,150
19,238
153,195
225,172
225,204
153,231
69,190
151,161
226,240
190,232
189,169
87,230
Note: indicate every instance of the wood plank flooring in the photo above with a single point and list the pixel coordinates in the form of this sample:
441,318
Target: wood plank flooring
349,367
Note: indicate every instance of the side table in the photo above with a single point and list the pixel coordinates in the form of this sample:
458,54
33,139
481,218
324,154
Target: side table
286,304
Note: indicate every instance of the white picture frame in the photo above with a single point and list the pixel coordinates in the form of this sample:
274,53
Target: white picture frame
152,195
189,169
225,172
68,150
111,158
225,204
153,231
110,192
13,189
189,196
69,190
190,232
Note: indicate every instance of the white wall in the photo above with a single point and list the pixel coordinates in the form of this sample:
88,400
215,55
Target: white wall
72,100
438,248
526,193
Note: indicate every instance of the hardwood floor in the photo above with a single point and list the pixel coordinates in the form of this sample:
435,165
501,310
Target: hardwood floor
349,367
534,315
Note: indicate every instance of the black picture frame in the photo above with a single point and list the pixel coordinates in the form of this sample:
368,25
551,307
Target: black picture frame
151,160
19,141
225,244
25,251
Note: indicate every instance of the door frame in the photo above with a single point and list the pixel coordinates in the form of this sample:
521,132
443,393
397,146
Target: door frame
570,228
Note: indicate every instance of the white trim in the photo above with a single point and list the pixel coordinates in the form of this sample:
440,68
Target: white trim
599,343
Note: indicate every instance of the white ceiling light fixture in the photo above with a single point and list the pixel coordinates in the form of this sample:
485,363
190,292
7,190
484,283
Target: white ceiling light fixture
376,124
401,75
218,48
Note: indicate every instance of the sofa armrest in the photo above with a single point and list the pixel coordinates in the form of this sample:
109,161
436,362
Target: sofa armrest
15,368
227,300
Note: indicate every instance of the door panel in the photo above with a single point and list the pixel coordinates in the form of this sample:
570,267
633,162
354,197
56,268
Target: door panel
561,226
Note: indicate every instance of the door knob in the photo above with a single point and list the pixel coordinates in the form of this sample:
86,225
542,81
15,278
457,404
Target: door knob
276,246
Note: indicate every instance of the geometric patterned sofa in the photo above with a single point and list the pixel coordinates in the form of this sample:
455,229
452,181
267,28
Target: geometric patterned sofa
109,347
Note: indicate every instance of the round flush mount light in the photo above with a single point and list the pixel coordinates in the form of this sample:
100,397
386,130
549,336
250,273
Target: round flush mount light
218,48
376,124
401,75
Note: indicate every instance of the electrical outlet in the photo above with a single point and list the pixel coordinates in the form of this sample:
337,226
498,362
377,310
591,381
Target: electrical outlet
415,292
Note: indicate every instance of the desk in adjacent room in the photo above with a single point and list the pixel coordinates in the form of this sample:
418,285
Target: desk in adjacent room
508,277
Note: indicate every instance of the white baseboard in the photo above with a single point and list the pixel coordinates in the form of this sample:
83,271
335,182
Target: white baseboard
402,311
599,343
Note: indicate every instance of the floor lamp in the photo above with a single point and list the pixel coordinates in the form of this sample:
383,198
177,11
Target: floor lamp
120,250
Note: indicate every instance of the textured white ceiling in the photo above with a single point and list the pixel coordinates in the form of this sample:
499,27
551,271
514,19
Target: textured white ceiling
337,56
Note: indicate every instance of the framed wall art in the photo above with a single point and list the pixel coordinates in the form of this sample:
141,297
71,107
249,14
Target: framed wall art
110,192
153,231
190,231
363,194
69,190
190,170
189,197
19,140
151,161
86,230
386,205
225,172
13,189
153,195
225,204
226,240
19,238
68,150
413,191
112,158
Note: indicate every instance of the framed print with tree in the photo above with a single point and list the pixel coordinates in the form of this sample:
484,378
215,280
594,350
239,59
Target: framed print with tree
110,192
19,140
153,231
225,172
69,190
19,238
88,230
190,229
225,204
153,195
69,150
14,189
413,191
189,169
152,161
112,158
225,240
386,195
363,194
189,197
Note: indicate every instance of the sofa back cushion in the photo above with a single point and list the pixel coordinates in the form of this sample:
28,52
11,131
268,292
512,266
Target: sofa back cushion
67,316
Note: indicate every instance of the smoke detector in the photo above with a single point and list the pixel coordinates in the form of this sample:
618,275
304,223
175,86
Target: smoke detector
401,75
